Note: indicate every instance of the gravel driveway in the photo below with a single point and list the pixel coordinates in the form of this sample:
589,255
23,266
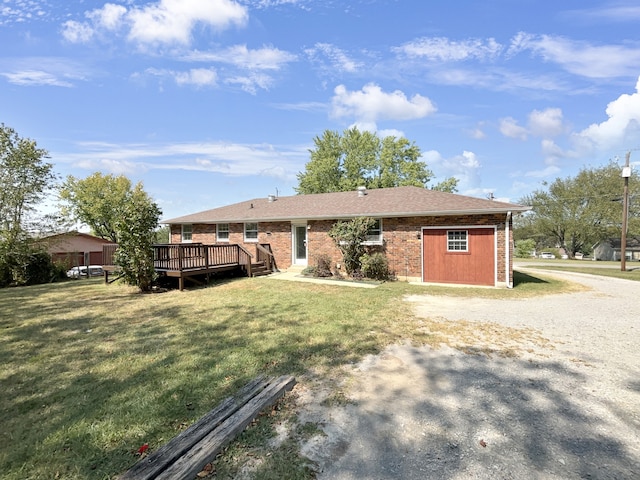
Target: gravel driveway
565,405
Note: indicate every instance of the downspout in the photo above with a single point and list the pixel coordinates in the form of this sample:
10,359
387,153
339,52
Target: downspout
507,250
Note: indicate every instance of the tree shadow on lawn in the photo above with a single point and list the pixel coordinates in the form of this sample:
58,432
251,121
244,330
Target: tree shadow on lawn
84,393
456,414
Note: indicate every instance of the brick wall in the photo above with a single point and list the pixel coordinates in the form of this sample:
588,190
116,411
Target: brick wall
402,240
276,234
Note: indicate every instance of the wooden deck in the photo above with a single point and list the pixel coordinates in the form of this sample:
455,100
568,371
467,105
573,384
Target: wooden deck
188,260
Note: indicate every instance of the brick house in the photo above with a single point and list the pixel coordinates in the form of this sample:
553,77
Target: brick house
75,248
427,235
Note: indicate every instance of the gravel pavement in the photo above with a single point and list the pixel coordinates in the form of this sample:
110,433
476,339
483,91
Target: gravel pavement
565,406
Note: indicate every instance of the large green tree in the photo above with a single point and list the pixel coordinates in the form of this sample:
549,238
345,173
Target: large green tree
360,158
25,178
116,211
95,201
577,212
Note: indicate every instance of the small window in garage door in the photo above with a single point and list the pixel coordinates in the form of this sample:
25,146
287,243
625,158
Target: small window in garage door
457,241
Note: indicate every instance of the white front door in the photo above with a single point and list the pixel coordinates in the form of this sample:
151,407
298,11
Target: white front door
299,244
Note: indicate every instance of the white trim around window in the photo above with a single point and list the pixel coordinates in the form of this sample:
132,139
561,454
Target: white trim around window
186,233
374,235
457,240
251,232
222,232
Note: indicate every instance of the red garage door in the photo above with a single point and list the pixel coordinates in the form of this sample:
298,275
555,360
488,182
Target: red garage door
459,255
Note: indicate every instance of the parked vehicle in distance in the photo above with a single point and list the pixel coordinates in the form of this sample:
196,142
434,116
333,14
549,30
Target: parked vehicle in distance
547,255
83,271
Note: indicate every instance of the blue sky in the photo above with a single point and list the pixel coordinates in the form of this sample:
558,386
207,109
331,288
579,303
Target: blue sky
210,102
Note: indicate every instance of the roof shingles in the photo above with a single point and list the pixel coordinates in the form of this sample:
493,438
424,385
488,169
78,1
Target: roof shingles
381,202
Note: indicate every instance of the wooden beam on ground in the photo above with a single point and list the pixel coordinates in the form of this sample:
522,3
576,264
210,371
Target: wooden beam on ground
224,419
205,451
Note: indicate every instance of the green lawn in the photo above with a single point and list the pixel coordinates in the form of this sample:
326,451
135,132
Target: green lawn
604,269
90,372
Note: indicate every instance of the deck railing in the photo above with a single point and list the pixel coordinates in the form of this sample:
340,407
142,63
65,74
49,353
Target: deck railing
265,255
108,255
181,257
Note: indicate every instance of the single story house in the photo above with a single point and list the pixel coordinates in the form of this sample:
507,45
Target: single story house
75,248
611,249
427,235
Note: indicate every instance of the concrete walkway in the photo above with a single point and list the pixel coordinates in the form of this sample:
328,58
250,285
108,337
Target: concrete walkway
294,274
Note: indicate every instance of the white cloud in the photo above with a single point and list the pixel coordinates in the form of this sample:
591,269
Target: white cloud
164,22
109,17
118,167
445,50
42,71
251,83
225,158
553,153
620,130
615,13
273,3
391,132
20,11
266,58
76,32
547,172
199,77
478,134
546,123
171,21
465,167
372,104
509,128
581,58
338,59
36,78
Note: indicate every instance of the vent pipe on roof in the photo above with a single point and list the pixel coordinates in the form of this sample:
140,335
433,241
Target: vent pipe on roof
362,191
271,198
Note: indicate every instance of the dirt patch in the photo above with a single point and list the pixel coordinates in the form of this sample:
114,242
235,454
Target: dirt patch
515,389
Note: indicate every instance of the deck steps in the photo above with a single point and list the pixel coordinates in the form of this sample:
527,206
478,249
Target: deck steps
259,269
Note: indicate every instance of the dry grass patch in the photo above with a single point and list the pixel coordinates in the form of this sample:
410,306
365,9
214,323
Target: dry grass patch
90,372
482,338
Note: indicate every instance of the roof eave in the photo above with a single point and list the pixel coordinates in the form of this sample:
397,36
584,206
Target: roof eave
502,210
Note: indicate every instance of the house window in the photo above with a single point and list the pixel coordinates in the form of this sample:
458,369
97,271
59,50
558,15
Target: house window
250,232
457,241
187,233
374,234
222,232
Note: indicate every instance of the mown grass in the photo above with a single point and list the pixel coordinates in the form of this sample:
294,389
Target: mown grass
630,274
90,372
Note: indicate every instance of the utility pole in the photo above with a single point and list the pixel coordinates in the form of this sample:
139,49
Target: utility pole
626,173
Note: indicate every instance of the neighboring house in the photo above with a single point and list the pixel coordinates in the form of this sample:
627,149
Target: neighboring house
611,249
74,248
427,235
